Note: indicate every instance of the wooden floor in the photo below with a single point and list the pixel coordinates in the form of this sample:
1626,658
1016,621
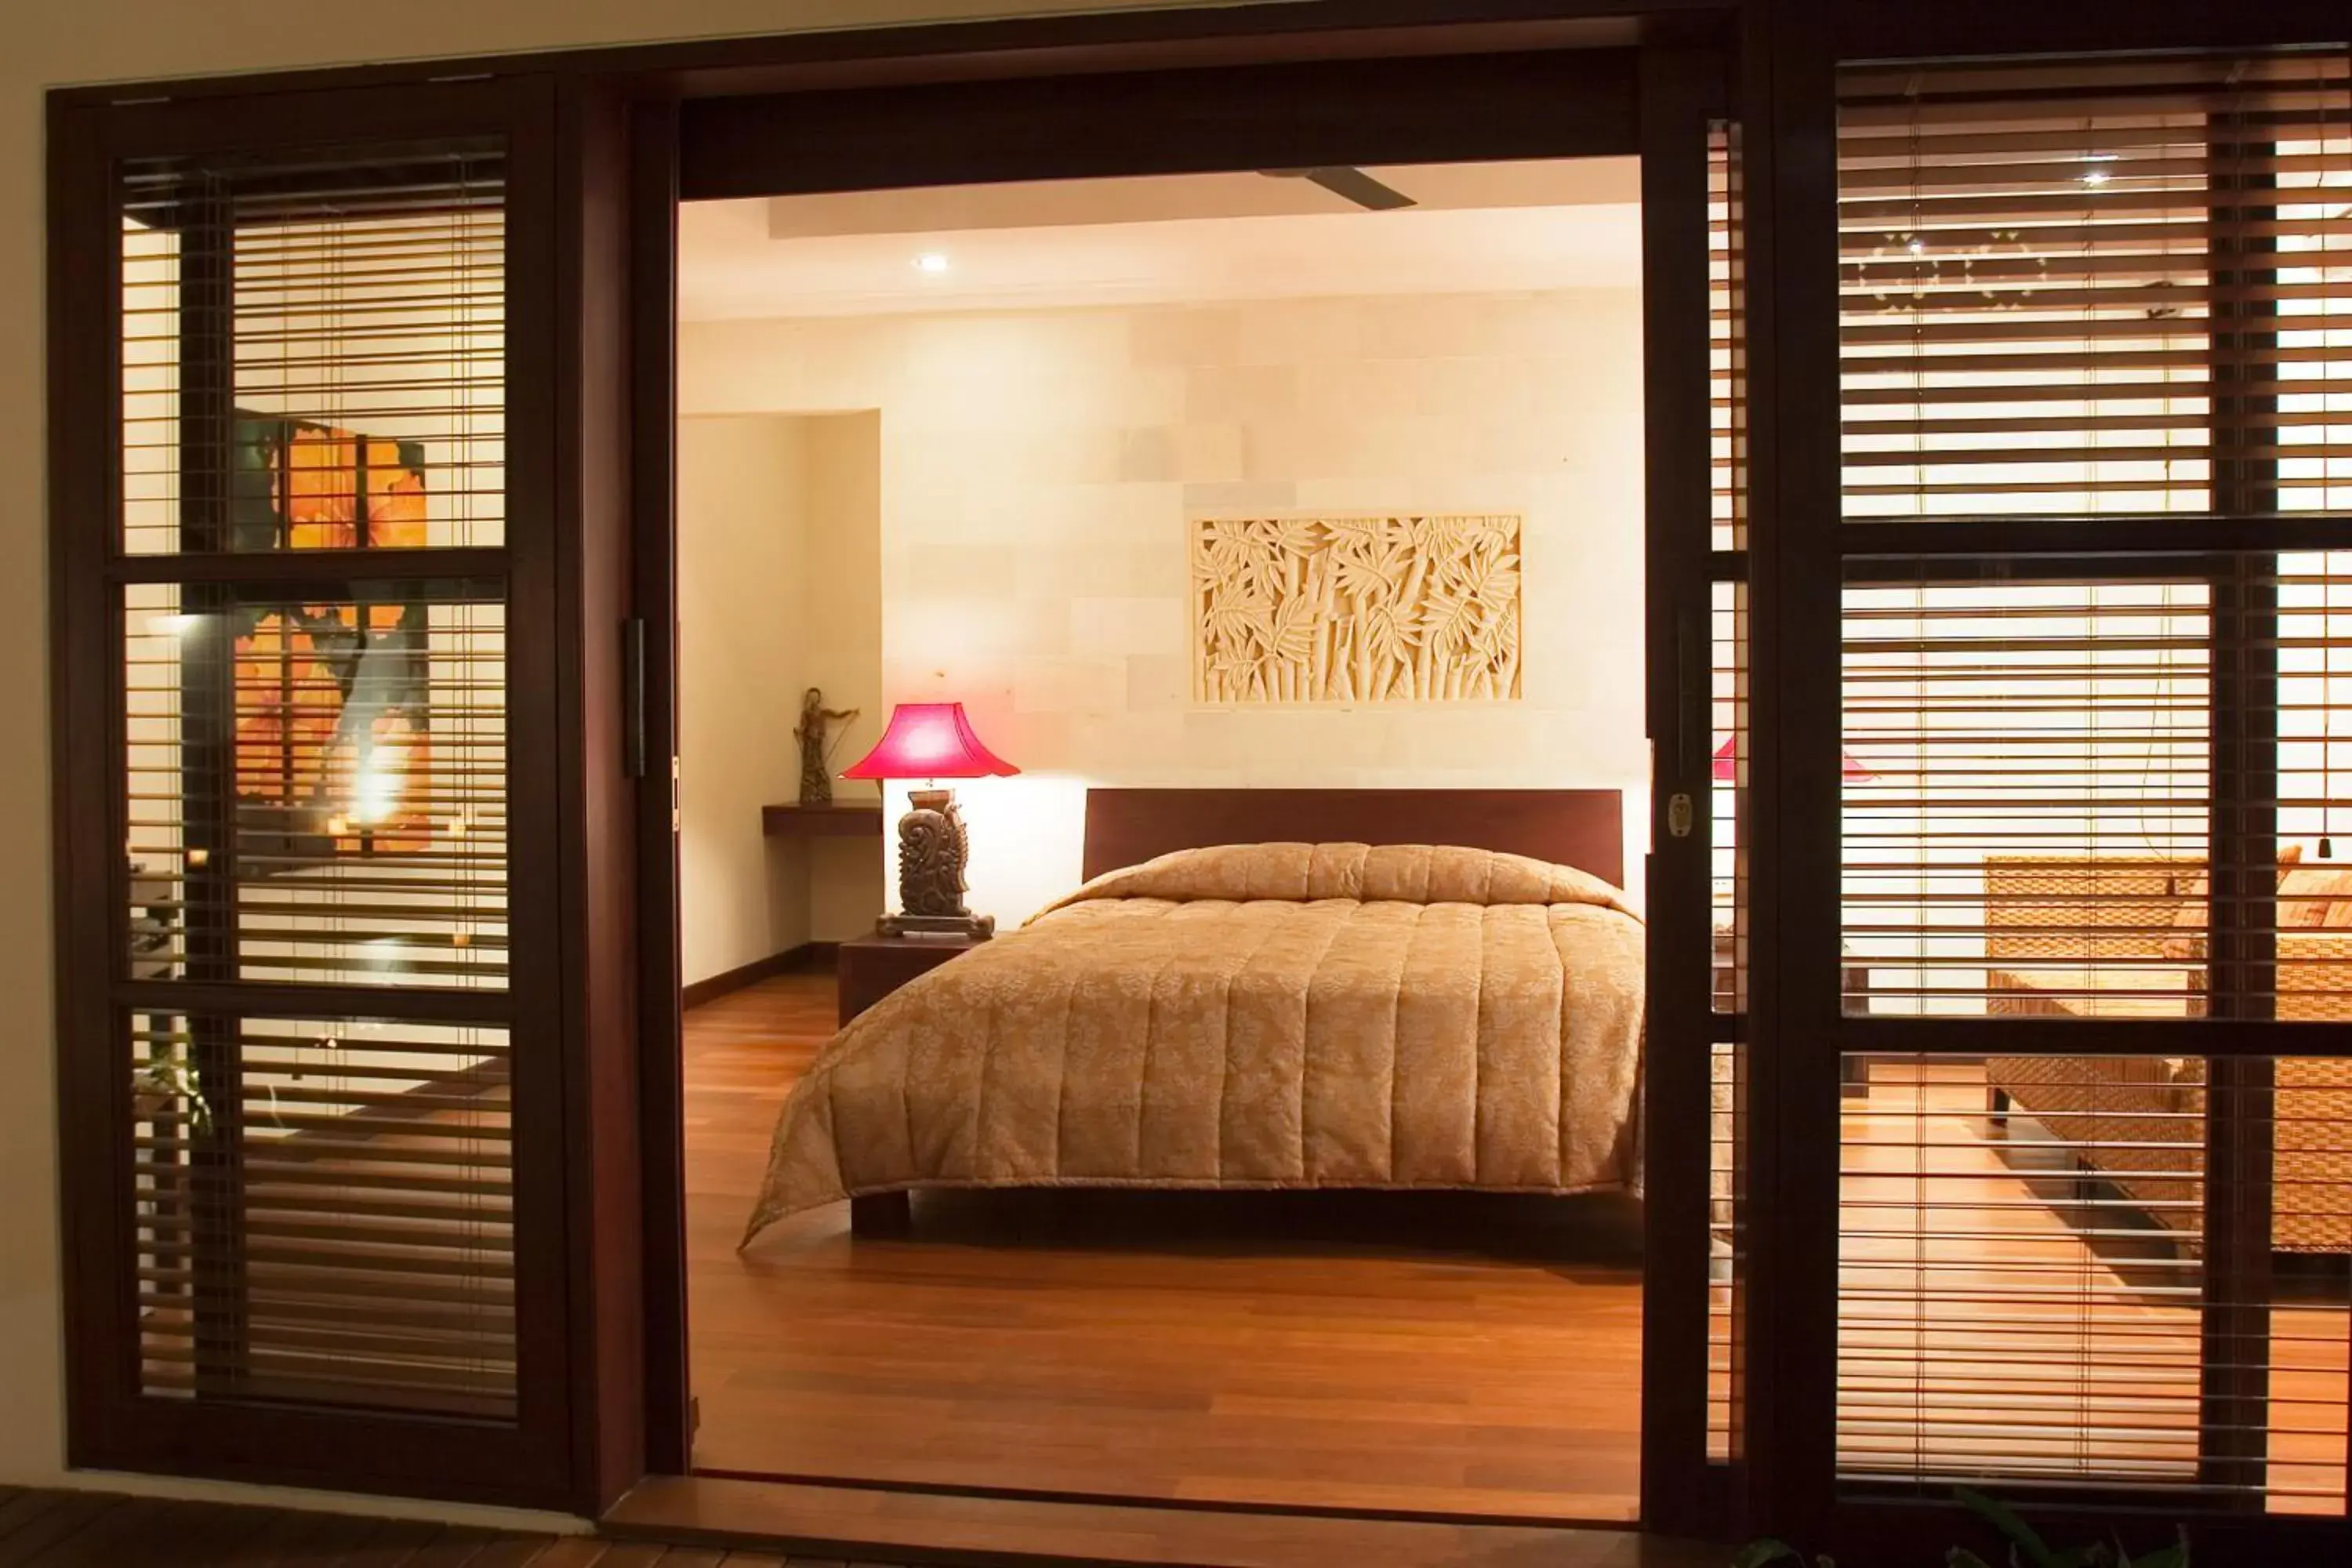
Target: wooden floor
1428,1358
1476,1359
104,1530
1003,1532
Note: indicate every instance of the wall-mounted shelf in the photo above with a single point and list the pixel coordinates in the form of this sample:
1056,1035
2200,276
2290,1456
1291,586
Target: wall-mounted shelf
842,819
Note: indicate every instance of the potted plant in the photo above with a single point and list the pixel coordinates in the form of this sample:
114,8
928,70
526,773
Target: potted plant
2026,1547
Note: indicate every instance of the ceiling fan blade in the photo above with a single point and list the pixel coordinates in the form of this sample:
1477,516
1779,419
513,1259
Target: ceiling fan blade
1353,185
1360,188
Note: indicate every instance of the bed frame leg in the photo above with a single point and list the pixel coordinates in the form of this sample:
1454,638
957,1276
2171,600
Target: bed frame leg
881,1216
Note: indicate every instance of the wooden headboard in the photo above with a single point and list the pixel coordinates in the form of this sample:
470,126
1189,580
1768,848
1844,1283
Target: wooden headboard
1580,827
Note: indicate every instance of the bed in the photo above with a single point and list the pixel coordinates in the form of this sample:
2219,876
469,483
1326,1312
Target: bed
1271,989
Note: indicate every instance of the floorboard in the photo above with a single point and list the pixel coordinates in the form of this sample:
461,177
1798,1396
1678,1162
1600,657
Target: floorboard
70,1529
952,1529
1423,1354
53,1529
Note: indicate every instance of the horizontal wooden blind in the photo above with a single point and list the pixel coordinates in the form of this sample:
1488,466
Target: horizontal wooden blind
2091,309
2028,820
325,1212
2096,287
314,349
1727,1130
1728,642
317,786
2026,799
1726,262
314,773
2042,1282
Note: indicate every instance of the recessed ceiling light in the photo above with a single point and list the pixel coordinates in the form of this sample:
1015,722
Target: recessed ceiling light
932,261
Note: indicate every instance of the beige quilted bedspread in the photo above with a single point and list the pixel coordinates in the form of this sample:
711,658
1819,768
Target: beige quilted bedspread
1251,1015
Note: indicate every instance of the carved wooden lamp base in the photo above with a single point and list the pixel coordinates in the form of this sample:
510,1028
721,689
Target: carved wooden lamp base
931,851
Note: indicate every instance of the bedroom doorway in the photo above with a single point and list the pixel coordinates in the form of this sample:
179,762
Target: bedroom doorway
1114,392
1054,453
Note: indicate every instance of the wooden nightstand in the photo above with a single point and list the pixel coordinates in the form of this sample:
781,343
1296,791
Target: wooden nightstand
873,967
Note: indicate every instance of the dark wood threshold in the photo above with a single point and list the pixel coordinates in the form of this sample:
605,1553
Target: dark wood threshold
915,1527
810,955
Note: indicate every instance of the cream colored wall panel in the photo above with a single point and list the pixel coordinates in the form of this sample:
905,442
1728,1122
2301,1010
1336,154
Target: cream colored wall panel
743,558
1071,676
842,598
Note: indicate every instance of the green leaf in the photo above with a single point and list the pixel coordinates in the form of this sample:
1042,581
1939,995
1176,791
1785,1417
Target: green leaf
2018,1533
2173,1556
1756,1553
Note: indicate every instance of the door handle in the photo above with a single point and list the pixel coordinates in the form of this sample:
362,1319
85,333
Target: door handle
633,698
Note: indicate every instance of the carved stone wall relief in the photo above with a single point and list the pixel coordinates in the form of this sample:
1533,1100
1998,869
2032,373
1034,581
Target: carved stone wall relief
1390,608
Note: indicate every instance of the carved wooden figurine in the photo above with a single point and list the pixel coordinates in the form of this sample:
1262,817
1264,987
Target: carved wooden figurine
816,774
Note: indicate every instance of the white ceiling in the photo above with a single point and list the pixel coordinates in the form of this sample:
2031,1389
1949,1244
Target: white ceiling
1478,228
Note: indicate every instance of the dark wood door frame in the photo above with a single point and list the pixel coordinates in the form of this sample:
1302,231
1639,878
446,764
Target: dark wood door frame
1685,90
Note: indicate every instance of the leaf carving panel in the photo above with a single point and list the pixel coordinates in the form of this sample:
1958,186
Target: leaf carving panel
1388,608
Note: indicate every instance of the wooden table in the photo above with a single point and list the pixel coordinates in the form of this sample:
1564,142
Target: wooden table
873,967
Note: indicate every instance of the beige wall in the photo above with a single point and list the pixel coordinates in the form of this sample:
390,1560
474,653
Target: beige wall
1038,468
43,46
779,589
742,557
843,651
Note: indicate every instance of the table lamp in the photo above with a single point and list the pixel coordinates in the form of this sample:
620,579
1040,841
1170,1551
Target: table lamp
1726,764
931,741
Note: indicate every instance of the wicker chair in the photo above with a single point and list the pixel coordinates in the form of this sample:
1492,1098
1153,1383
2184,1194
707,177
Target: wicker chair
2102,937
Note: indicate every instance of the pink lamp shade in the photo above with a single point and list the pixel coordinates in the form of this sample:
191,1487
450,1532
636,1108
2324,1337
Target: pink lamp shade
929,740
1726,764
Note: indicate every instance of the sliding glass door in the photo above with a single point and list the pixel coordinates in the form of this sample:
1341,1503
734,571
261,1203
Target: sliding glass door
304,511
2096,401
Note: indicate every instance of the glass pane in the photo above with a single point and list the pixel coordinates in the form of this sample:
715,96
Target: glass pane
2080,287
2313,408
1728,338
1727,1131
1726,793
2114,1271
323,1212
314,351
2026,798
317,786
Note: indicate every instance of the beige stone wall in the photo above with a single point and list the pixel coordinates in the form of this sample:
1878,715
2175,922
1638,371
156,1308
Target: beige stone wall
43,46
743,558
1039,469
779,589
842,653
